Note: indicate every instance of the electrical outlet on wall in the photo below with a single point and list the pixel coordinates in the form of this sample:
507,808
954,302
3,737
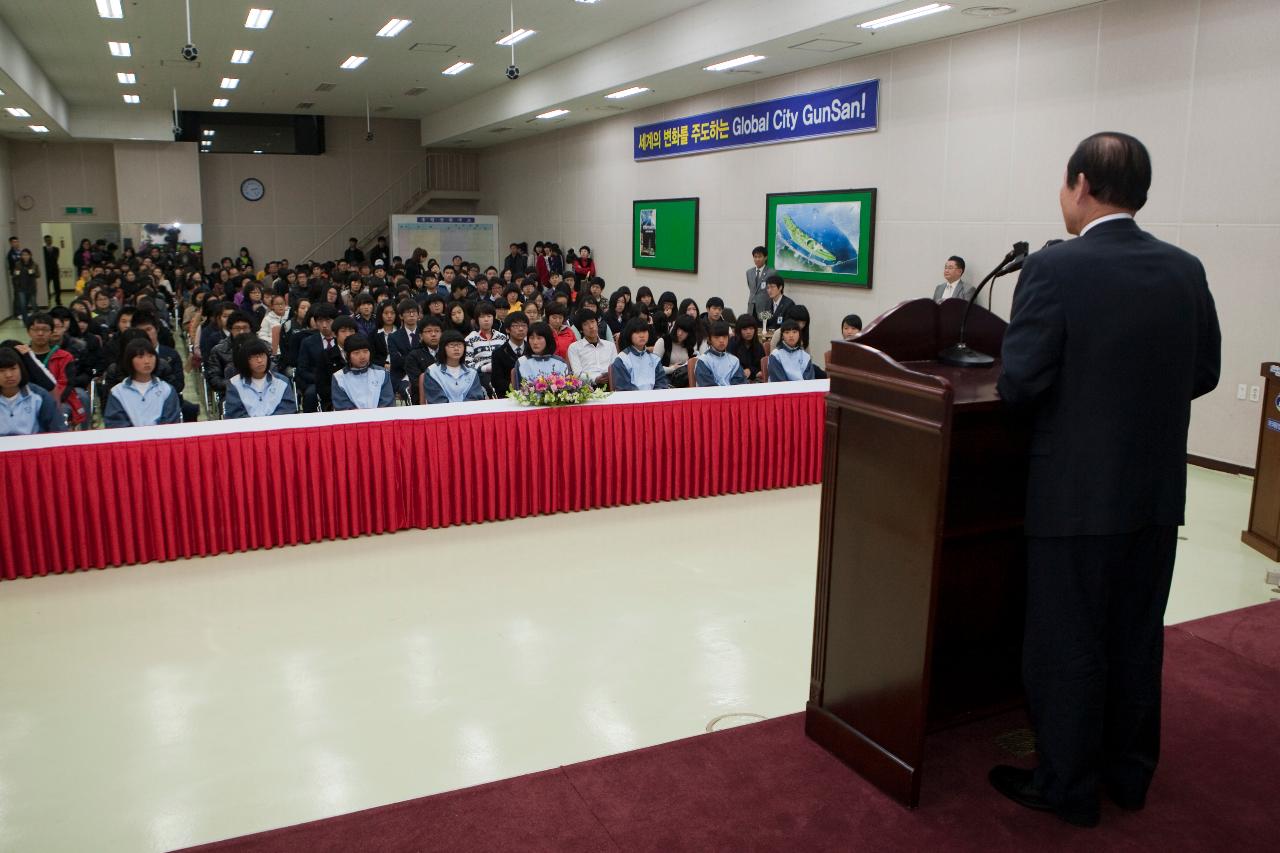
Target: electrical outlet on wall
1255,393
1241,391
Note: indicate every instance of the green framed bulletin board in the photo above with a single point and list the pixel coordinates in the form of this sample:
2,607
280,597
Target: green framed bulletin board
825,236
664,234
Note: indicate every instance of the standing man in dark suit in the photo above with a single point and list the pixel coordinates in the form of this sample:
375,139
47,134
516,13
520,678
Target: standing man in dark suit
1110,339
53,285
757,275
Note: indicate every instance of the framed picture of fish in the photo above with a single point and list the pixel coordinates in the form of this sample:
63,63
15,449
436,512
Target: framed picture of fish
825,236
664,234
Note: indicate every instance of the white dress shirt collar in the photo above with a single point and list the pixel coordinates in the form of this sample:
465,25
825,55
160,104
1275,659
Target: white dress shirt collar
1110,217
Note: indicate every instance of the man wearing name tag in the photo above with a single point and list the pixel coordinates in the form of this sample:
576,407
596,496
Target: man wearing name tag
757,275
1110,338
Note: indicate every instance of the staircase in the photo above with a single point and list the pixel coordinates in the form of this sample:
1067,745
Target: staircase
440,175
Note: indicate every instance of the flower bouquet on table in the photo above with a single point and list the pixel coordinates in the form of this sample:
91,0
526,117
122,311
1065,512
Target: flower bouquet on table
556,390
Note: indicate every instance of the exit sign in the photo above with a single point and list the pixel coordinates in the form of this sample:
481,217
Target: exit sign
73,211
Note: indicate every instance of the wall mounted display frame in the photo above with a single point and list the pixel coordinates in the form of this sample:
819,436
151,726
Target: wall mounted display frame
664,234
825,236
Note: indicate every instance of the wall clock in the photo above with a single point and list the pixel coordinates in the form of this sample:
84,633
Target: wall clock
252,189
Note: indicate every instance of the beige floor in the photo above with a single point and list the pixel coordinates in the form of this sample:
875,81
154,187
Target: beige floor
160,706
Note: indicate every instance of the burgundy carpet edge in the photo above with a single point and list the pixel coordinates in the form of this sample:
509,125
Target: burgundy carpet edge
1253,633
765,786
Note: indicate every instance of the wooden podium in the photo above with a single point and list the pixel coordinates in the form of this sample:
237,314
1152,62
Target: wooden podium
921,559
1264,514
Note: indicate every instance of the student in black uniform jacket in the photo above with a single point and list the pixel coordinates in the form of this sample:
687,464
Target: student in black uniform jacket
517,329
1111,337
422,356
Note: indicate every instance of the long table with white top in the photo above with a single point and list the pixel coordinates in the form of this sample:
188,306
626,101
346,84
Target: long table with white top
104,498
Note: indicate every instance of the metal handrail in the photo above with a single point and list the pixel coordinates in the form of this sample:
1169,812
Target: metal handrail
439,171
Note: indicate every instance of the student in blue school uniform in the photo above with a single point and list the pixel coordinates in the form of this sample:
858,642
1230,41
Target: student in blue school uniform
24,409
256,390
449,380
717,366
141,399
789,362
635,368
361,385
540,357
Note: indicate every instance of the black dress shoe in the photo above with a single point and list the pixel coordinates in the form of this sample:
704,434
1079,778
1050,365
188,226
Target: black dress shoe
1019,786
1127,802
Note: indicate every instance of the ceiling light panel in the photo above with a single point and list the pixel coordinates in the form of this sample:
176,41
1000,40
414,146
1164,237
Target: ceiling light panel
554,113
515,37
131,99
38,128
128,78
229,82
119,48
457,68
110,9
901,17
353,62
627,93
734,63
17,112
393,28
241,57
210,132
220,102
258,19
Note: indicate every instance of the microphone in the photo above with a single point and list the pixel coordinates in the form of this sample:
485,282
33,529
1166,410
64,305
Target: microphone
1018,260
961,354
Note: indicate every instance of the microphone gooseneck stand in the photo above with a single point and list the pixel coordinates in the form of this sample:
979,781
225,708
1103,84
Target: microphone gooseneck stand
961,354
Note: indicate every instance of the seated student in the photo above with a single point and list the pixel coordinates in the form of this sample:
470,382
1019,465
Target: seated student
789,362
635,368
255,390
676,348
717,366
360,385
449,380
403,341
219,363
504,360
423,356
850,327
483,343
540,357
141,399
558,320
319,357
25,409
747,347
592,355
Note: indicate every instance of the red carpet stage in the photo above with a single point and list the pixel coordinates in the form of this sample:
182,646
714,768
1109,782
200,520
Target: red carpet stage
767,787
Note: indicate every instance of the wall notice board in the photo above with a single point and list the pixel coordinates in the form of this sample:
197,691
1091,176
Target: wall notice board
664,234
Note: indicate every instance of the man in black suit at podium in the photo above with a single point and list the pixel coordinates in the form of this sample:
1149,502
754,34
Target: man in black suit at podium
1111,337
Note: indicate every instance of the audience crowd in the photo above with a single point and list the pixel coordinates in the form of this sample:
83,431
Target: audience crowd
361,332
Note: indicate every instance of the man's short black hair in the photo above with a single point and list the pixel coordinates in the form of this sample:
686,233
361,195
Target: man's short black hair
719,329
238,317
486,308
42,318
147,318
516,318
407,305
432,320
715,302
344,323
557,307
585,316
324,311
760,250
776,279
958,261
1117,167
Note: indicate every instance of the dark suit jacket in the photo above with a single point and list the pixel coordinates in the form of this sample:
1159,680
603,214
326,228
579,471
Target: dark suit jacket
316,365
1111,337
401,343
504,359
785,304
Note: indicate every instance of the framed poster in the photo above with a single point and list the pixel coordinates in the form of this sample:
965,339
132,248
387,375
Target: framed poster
664,234
825,236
